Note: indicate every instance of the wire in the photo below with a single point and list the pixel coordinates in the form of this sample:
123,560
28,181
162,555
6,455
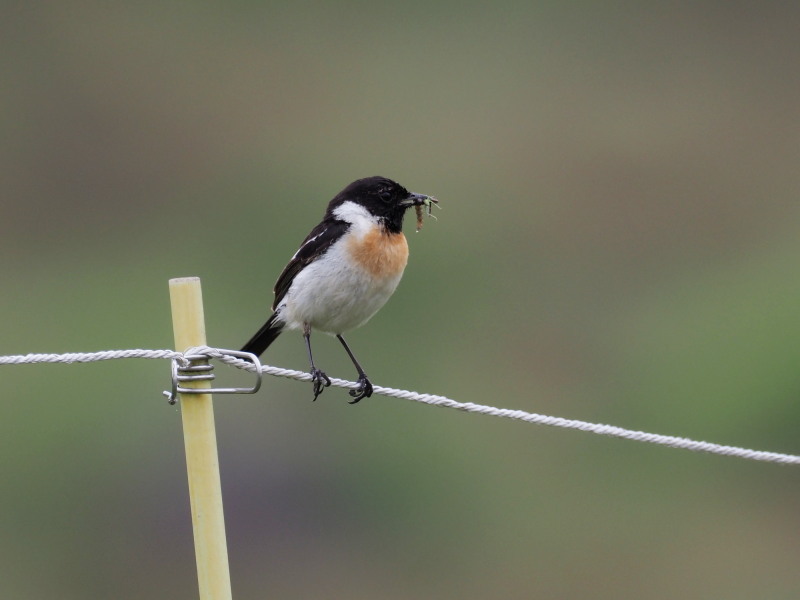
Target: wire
73,357
431,399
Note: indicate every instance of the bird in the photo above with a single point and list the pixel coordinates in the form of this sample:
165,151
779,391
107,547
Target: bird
344,271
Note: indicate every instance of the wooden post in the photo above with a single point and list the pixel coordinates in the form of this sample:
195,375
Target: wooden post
202,464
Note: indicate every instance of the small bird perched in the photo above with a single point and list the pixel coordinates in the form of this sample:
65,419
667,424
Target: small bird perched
344,271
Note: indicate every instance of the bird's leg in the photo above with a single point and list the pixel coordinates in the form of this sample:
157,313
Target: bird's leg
318,378
364,389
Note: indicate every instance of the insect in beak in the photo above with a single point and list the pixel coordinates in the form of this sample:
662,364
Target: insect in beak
427,202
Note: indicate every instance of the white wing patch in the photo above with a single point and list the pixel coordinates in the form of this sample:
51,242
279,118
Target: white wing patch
309,241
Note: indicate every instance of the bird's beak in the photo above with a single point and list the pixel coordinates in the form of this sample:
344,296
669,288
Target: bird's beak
418,200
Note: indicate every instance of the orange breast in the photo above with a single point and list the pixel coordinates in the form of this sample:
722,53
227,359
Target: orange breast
381,254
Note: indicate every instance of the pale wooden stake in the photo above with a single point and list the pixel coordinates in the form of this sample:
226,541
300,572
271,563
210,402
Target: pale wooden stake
202,464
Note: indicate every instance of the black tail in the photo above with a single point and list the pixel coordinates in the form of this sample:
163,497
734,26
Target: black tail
264,336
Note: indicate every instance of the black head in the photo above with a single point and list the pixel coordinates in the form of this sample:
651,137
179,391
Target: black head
382,197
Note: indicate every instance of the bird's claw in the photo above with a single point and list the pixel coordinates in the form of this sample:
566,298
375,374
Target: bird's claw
320,381
364,389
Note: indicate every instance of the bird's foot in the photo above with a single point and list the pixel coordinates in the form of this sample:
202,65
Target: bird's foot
364,389
320,381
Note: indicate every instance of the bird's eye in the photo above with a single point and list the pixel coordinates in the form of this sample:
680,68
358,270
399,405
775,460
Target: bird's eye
385,195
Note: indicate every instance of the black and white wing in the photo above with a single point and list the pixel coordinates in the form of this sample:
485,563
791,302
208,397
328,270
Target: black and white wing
322,237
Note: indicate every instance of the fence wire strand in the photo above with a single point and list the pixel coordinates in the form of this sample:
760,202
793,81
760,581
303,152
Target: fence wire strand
431,399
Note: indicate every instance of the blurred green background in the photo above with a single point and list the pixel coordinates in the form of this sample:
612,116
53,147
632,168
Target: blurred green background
619,243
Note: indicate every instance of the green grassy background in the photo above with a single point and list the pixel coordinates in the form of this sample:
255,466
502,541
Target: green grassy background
619,243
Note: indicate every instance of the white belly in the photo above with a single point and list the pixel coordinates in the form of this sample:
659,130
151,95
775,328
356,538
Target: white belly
334,297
